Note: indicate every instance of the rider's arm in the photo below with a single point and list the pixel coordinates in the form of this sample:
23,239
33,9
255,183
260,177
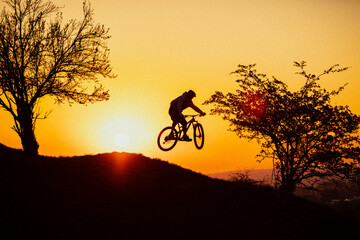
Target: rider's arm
192,105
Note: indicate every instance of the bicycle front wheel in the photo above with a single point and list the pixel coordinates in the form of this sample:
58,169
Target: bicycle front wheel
199,136
167,139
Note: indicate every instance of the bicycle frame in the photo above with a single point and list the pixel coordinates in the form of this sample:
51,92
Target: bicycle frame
192,121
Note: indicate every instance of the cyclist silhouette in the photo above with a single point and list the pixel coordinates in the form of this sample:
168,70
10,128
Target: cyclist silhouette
178,105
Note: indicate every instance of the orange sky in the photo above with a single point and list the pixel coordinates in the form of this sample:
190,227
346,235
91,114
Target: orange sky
161,48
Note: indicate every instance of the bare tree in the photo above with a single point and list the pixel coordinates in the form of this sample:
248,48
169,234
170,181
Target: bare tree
40,56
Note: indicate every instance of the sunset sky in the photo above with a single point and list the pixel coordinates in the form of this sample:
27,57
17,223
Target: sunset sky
161,48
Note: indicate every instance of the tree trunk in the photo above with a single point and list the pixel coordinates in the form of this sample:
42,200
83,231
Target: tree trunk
287,186
26,131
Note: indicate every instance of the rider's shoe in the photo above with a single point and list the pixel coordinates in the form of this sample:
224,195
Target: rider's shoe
169,137
186,138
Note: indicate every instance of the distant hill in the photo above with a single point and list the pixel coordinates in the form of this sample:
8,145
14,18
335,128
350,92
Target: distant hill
130,196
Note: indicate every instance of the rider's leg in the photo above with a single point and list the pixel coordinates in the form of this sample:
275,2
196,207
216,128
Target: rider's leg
178,118
183,124
174,117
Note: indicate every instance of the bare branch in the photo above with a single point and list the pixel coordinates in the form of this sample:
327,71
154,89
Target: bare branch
42,56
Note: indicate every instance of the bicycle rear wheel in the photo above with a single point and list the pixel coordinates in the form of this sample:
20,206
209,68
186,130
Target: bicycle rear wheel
167,139
199,136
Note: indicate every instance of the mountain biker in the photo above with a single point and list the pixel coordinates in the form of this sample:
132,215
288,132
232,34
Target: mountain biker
178,105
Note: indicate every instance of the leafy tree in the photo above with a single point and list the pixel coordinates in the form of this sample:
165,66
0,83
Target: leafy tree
347,174
40,57
301,131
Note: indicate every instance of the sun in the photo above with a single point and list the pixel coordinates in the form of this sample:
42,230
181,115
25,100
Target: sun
121,140
128,133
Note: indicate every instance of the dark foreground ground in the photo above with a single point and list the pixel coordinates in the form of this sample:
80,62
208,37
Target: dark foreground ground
129,196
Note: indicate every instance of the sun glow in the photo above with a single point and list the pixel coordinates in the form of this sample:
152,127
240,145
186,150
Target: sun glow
121,140
123,133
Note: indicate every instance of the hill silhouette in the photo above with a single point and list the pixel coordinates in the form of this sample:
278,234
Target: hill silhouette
130,196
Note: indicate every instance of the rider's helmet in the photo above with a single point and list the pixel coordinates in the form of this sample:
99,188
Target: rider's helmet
191,93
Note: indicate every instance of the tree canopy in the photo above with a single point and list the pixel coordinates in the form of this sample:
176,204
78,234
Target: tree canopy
301,131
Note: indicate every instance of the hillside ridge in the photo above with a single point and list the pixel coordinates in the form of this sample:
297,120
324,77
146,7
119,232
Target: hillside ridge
112,195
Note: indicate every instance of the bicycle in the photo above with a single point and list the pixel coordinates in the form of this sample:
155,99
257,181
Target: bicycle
168,137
